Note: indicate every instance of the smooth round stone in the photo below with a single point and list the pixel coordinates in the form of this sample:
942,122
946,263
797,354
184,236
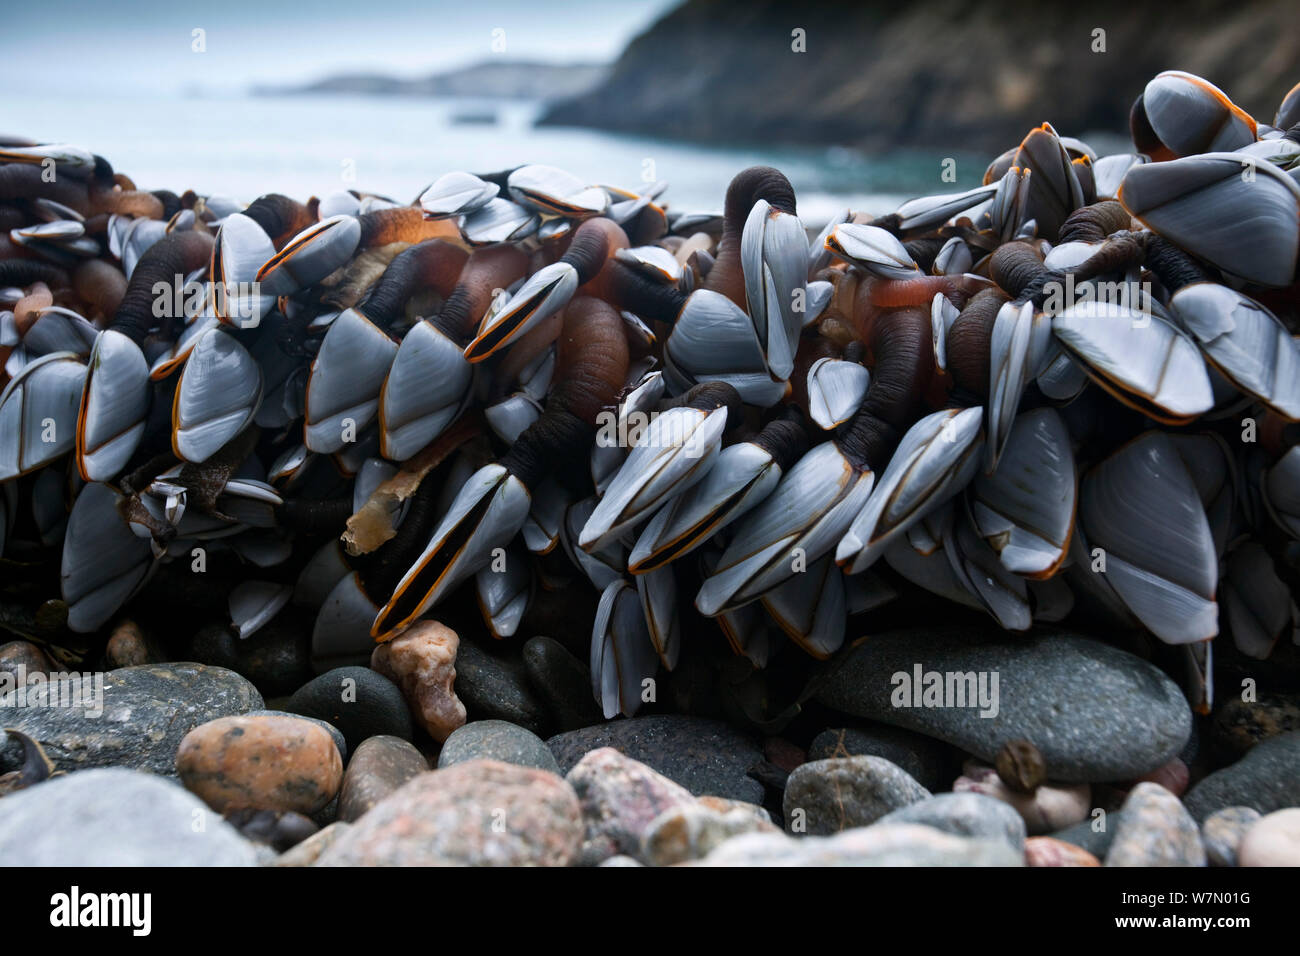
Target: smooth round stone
931,762
422,662
1273,841
146,712
1239,725
116,817
380,765
128,647
562,683
826,796
707,757
620,798
481,813
28,656
1266,779
1173,776
894,844
495,687
965,814
1155,830
266,763
1222,832
497,740
1047,851
277,658
335,734
357,701
1095,713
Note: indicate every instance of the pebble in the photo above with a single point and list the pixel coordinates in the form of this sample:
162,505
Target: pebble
483,813
496,687
965,814
309,850
893,844
620,860
1239,725
692,831
115,817
278,829
335,734
128,647
497,740
704,756
277,658
827,796
267,763
1049,807
930,761
357,701
620,798
1094,712
1266,779
1222,832
1155,830
422,662
562,683
1048,851
146,712
1273,841
380,765
25,654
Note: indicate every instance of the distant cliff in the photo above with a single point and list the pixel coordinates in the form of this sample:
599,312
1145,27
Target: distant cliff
498,79
933,73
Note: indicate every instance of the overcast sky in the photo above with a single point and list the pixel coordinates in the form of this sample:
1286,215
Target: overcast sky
146,45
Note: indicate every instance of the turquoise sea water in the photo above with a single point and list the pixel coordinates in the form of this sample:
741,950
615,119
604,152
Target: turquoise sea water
243,146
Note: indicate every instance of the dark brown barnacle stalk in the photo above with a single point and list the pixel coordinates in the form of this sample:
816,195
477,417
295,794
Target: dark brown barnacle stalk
1095,223
175,255
433,264
748,187
403,224
488,271
280,217
968,340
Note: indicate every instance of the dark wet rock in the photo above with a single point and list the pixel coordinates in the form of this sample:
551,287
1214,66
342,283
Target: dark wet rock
497,740
1239,725
277,658
704,756
146,712
116,817
562,682
930,761
277,829
1093,835
495,687
1094,712
1266,779
357,701
481,813
380,765
827,796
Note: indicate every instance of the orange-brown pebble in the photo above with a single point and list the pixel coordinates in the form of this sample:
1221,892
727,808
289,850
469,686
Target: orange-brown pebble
264,762
1049,851
422,662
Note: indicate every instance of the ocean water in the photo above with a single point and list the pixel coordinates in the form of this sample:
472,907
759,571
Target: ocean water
244,146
